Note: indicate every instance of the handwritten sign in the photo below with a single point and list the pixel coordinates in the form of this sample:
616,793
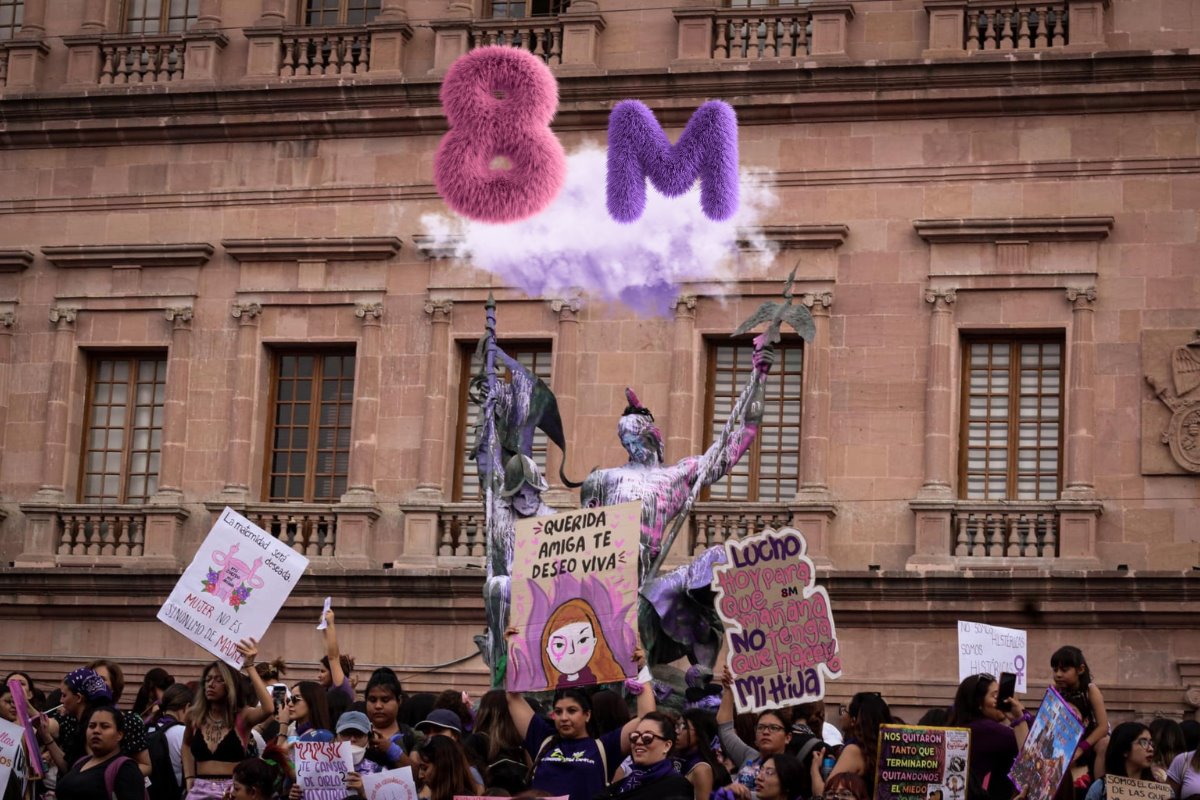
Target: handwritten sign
392,784
11,736
321,768
780,638
574,598
234,587
991,649
33,751
1122,788
922,763
1048,749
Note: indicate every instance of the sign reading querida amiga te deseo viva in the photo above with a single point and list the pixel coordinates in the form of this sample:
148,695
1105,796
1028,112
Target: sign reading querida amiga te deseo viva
781,642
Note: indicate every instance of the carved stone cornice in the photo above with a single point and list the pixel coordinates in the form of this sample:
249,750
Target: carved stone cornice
179,317
940,298
1081,296
63,315
15,260
368,312
245,311
566,308
817,302
439,310
685,306
1014,229
192,254
792,237
348,248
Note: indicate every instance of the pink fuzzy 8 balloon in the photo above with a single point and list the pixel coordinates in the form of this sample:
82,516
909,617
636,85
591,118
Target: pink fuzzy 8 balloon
499,102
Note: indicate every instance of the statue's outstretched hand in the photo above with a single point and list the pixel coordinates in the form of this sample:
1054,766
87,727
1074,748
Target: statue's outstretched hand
764,354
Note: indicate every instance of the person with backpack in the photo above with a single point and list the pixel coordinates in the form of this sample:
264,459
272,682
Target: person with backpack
165,743
105,774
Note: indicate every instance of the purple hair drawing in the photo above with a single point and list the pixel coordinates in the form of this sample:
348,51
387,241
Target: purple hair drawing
639,149
499,102
526,663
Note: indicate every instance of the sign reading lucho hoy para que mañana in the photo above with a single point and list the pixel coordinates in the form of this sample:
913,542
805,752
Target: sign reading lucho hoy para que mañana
781,643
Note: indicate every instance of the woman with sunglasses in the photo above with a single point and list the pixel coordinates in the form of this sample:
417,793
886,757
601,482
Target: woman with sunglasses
1130,754
652,775
218,735
997,734
307,711
771,735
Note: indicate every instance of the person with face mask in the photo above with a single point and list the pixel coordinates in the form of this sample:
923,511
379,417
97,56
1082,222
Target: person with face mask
353,727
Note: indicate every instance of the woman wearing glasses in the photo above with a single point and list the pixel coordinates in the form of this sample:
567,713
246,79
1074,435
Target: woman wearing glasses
771,736
781,778
1130,754
218,731
653,775
307,710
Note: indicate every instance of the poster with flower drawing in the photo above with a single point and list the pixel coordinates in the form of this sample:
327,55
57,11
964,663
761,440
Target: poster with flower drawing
234,587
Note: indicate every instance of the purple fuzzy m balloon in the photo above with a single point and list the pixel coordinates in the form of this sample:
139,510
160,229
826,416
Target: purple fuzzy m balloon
639,149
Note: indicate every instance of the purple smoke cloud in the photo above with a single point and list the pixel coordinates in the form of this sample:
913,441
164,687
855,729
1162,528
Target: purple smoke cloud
574,245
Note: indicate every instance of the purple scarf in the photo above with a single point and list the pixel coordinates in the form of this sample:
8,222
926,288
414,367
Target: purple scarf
641,775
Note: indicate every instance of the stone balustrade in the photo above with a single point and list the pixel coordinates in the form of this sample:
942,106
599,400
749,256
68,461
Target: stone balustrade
3,66
325,51
142,59
542,36
461,531
762,32
87,530
983,26
1005,530
310,530
715,523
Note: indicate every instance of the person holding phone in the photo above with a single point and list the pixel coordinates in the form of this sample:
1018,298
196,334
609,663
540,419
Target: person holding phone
997,734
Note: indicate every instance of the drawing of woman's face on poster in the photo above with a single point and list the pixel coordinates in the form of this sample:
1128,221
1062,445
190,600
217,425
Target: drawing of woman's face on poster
574,651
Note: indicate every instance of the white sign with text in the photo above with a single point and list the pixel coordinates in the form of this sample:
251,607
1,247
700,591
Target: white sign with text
991,649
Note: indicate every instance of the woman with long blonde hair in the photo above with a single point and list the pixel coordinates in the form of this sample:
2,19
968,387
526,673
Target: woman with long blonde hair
574,651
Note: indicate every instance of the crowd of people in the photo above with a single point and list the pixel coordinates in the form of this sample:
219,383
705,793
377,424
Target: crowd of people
229,735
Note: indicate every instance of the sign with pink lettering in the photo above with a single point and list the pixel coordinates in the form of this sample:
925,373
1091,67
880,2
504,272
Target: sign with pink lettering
10,751
391,784
321,768
781,643
233,588
37,768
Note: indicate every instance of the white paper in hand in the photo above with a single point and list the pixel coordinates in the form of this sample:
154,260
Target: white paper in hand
322,625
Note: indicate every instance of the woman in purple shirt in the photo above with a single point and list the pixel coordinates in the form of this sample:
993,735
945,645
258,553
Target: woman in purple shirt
997,734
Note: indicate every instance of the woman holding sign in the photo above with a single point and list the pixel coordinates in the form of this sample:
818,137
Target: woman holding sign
567,762
771,735
218,738
997,734
1130,754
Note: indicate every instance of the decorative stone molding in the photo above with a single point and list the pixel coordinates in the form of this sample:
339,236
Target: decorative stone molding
1007,229
439,309
138,255
940,298
685,306
15,260
179,317
792,237
8,319
368,312
62,314
1179,391
245,310
566,307
434,247
349,248
1081,296
817,301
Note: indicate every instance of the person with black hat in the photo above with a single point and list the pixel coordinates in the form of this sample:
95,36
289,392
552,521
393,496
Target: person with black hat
444,722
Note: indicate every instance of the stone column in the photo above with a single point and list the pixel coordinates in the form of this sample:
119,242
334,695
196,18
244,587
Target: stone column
451,35
174,434
365,425
390,34
272,15
357,510
26,50
564,379
209,16
94,17
241,409
815,421
54,442
939,395
582,25
33,20
1080,483
7,321
422,507
204,42
681,401
934,503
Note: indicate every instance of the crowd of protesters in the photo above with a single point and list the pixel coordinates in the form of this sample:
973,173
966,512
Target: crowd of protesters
228,735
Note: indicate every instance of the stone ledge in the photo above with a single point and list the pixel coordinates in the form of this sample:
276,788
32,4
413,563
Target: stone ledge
15,260
794,237
1014,229
192,254
349,248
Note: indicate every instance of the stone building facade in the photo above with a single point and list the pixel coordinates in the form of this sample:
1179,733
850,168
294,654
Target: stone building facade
211,217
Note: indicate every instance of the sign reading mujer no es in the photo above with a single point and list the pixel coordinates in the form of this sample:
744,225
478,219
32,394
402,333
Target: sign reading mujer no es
780,638
233,588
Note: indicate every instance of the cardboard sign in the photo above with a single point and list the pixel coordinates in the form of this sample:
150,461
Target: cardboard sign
233,588
922,763
33,751
321,768
392,784
11,736
992,650
574,598
1121,788
781,643
1048,749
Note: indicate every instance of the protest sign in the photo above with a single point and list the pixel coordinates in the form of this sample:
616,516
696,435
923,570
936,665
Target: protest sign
1048,749
1121,788
321,768
779,632
392,784
574,598
922,763
33,751
992,650
234,587
11,736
